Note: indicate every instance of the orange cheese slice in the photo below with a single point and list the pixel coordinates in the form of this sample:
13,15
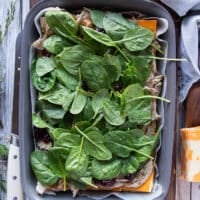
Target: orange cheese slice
146,187
148,23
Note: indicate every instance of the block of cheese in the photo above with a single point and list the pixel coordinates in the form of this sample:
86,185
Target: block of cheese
190,153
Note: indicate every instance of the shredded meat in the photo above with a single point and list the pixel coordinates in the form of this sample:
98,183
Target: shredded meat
153,85
46,32
84,19
41,189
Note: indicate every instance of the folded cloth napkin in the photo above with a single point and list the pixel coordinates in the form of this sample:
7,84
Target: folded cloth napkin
189,72
181,7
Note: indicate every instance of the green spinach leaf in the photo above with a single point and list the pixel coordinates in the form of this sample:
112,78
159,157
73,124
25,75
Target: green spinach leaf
66,78
44,65
88,181
95,76
138,38
61,22
71,58
122,143
112,113
68,140
130,165
113,66
137,71
95,147
82,125
58,95
56,132
55,44
103,170
99,36
51,111
88,112
138,111
97,17
119,142
42,168
77,162
39,122
78,103
105,39
93,144
116,25
44,83
57,159
98,100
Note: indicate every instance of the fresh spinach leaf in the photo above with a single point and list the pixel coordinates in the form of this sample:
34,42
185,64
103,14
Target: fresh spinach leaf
88,181
39,122
103,170
68,140
141,113
77,162
61,22
78,103
97,17
122,143
119,142
138,111
95,146
44,83
112,113
105,39
82,125
42,168
58,95
135,161
130,165
66,78
71,58
88,112
57,159
99,36
113,66
98,100
55,44
97,47
137,71
56,132
51,111
94,74
44,65
138,38
116,25
78,184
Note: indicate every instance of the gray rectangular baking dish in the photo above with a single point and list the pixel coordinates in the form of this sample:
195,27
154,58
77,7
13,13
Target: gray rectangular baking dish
29,34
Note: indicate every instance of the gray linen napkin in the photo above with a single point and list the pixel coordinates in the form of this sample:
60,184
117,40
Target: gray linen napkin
181,7
189,72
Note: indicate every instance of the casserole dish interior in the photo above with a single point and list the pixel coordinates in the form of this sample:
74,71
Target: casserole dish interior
30,34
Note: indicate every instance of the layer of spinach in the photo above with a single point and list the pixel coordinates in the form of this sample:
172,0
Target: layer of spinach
91,99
